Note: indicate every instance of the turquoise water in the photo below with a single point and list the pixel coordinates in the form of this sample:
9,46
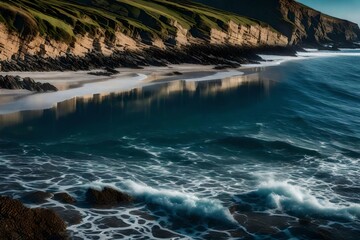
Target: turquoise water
271,155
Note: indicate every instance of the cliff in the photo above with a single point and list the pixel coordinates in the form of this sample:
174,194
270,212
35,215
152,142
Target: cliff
52,28
299,23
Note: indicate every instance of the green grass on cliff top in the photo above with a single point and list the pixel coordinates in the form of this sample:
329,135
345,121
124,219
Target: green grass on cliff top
63,19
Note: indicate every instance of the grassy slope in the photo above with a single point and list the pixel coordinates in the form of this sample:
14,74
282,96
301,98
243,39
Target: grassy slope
63,19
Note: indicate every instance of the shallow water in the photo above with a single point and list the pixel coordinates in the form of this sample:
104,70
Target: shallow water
274,154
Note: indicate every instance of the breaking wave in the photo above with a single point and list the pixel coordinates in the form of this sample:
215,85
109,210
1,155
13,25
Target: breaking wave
300,201
180,204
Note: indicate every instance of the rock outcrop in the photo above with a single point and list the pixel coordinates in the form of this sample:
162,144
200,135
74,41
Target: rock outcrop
107,197
119,26
12,46
130,34
192,54
299,23
11,82
20,222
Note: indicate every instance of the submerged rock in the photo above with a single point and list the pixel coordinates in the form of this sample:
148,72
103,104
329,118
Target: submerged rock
11,82
157,232
64,197
36,197
107,197
20,222
71,217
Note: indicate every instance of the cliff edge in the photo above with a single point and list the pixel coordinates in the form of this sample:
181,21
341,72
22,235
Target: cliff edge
51,28
301,24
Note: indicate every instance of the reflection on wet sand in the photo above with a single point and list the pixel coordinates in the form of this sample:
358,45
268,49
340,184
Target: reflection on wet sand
18,117
139,99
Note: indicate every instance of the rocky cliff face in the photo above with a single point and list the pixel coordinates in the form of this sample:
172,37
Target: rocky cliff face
299,23
247,35
13,46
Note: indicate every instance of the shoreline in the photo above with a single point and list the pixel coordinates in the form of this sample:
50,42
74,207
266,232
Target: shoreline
158,76
102,86
81,84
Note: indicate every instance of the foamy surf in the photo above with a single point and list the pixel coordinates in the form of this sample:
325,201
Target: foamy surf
180,203
274,60
291,198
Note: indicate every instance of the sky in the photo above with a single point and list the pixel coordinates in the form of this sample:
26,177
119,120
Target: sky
346,9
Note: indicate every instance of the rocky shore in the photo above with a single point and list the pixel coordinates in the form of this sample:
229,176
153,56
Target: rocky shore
20,222
16,82
193,54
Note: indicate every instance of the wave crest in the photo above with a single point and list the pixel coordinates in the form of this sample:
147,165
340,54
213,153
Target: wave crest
180,203
294,199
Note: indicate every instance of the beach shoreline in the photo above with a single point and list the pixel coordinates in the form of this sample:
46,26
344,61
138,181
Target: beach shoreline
127,100
75,84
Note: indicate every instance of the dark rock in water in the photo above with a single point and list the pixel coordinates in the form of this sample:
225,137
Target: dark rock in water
64,197
107,197
111,222
11,82
71,217
233,209
157,232
20,222
216,235
243,207
37,197
304,221
261,223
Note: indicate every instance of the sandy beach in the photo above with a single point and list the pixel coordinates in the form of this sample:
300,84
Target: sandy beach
82,84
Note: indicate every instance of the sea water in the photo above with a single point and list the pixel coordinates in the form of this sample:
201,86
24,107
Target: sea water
270,154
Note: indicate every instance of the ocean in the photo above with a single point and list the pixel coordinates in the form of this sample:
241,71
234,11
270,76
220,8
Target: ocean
271,154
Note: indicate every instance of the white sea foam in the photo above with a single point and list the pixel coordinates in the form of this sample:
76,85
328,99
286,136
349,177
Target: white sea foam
288,197
179,203
274,60
316,54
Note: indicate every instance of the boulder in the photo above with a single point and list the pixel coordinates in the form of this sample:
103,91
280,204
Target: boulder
47,87
11,82
107,197
20,222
